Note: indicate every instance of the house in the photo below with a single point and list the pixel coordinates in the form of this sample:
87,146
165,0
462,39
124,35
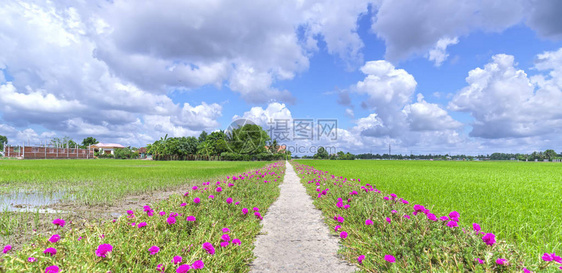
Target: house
106,148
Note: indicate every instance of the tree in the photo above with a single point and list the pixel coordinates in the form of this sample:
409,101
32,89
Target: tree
3,139
205,148
321,153
202,136
550,154
247,139
88,141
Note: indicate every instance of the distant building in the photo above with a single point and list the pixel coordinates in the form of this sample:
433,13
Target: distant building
106,148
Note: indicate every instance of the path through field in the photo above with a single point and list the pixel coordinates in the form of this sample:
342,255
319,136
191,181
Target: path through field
295,238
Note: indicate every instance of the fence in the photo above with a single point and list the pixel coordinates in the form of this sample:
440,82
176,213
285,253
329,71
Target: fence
36,152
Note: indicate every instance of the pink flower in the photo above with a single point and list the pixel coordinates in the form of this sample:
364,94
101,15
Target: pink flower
225,237
368,222
162,213
236,241
209,248
237,203
346,206
186,193
394,211
51,251
244,211
256,209
153,250
59,222
196,200
479,261
194,188
361,258
258,215
219,189
176,259
432,217
6,249
225,230
103,249
452,224
198,264
183,204
130,212
183,268
343,234
337,227
171,220
31,259
52,269
489,239
55,238
501,261
141,224
340,219
388,220
406,216
160,267
224,244
229,200
525,270
389,258
190,218
476,227
211,196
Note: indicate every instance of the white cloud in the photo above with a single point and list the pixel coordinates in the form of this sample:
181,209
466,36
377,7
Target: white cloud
505,102
264,117
424,116
200,117
438,54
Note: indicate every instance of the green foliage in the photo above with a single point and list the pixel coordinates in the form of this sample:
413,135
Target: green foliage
3,139
88,141
125,153
203,136
63,142
517,201
248,139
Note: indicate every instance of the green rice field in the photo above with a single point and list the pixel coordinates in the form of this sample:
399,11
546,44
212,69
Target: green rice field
104,181
518,201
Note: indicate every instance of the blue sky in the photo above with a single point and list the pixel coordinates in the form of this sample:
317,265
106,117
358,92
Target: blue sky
455,77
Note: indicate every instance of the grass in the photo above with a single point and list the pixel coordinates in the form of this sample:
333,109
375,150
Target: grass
104,181
518,202
77,246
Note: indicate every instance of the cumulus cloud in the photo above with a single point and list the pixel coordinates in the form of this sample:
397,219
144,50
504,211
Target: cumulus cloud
545,18
505,102
438,54
424,116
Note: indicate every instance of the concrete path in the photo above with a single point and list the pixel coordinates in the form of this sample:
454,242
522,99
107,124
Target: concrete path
295,239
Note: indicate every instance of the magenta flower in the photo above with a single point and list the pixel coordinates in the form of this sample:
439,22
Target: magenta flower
452,224
55,238
31,259
190,218
103,249
141,224
236,241
194,188
244,211
211,196
525,270
258,215
389,258
130,212
219,189
51,251
171,220
183,268
552,257
340,219
256,209
361,258
209,248
176,259
386,198
183,204
368,222
153,250
186,193
160,268
489,239
6,249
476,227
59,222
224,244
388,220
501,261
237,203
198,264
406,216
52,269
479,261
225,230
229,200
343,234
162,213
444,218
337,227
196,200
225,237
432,217
394,211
